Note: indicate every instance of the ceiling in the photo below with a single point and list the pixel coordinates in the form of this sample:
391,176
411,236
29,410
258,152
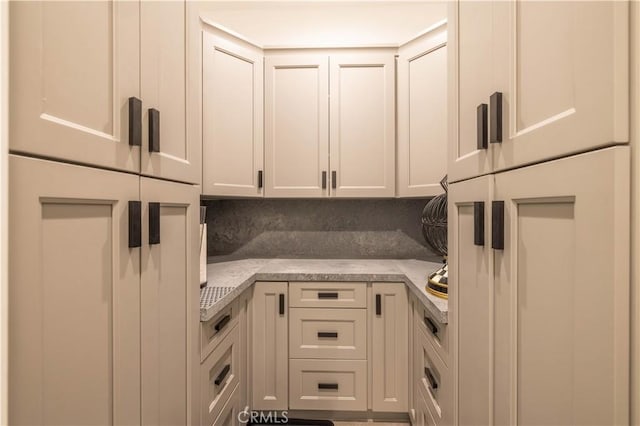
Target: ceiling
325,23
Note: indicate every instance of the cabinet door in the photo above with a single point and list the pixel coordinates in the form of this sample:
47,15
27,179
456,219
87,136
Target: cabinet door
70,84
74,336
562,292
362,125
170,292
390,343
471,299
422,115
565,84
232,97
270,371
470,40
169,150
296,126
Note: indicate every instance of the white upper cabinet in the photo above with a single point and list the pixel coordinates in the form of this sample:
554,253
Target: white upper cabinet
232,112
296,126
564,83
530,92
169,149
362,125
70,84
422,114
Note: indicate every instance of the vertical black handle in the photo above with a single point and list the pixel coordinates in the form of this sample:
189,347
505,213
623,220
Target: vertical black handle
154,130
324,179
259,178
154,223
378,304
497,225
481,124
495,130
281,304
135,121
478,223
135,224
334,179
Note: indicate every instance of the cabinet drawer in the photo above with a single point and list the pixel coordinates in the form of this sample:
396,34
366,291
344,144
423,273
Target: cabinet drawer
423,415
328,294
229,414
327,385
328,333
433,380
213,331
436,332
219,376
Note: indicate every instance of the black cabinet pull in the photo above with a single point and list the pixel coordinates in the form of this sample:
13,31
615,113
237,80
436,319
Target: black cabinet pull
495,130
478,223
324,179
432,380
154,223
135,121
325,295
135,224
154,130
328,386
431,325
334,179
378,304
281,303
327,335
497,225
222,375
259,178
223,321
481,124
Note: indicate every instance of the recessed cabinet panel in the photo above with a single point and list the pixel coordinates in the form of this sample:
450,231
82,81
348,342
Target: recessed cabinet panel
296,126
70,84
232,116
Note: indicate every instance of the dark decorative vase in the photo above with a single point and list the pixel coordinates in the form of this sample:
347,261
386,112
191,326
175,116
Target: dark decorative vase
434,231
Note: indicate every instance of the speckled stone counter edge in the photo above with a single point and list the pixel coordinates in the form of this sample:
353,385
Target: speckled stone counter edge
439,314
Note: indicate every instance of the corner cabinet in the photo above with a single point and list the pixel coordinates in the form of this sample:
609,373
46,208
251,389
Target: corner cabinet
270,331
555,227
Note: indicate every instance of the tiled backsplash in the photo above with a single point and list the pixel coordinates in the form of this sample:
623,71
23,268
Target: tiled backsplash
359,229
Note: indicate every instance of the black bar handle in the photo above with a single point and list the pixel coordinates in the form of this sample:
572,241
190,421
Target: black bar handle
326,295
324,179
222,375
135,224
378,304
281,304
478,223
334,179
154,223
154,130
223,321
135,121
431,325
481,124
497,225
495,130
260,179
328,386
327,334
432,380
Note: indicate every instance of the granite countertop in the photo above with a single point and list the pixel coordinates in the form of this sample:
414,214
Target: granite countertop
227,280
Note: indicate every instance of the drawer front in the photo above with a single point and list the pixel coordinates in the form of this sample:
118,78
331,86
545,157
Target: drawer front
432,380
229,414
213,331
424,417
436,332
328,294
327,385
219,376
328,333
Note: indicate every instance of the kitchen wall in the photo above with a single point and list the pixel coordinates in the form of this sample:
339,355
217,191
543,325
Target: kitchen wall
359,229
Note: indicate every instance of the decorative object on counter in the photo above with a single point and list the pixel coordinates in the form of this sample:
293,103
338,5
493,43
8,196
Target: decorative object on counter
203,246
434,231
